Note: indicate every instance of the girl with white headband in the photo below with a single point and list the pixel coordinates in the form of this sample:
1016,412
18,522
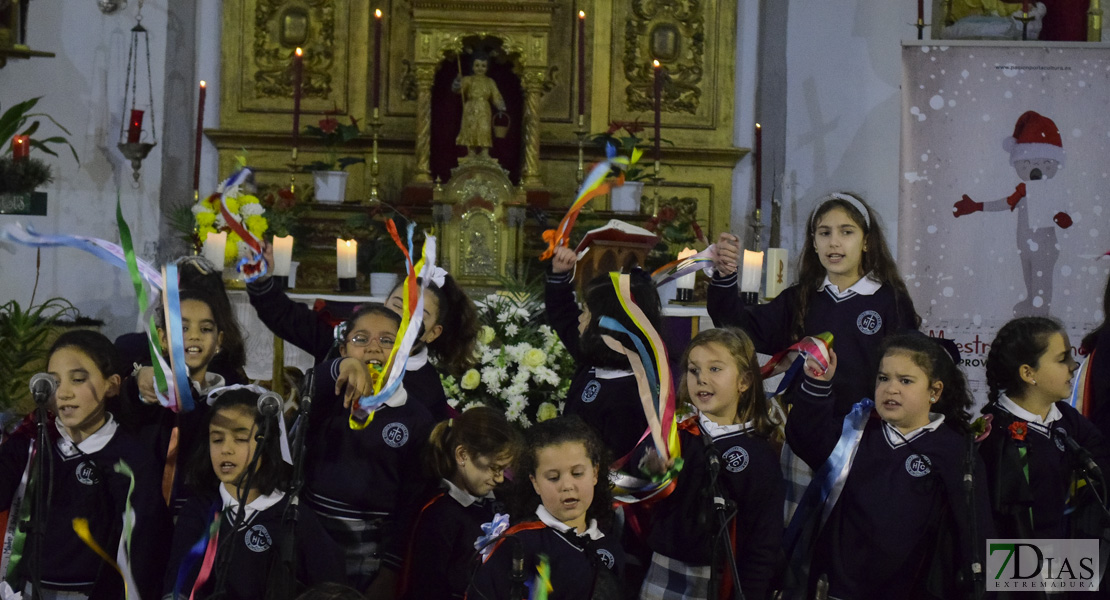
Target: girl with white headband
848,285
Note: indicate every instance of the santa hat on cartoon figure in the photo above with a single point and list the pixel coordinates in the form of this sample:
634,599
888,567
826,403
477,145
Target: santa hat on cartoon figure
1035,136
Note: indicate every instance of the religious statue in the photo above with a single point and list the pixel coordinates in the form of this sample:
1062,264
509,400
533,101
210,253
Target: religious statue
478,93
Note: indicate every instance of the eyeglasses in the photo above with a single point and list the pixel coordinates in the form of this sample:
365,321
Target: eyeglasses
362,340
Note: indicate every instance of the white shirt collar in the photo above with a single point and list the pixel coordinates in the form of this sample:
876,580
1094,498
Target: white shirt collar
259,504
866,286
398,398
549,520
462,496
93,443
418,360
897,438
1012,407
603,373
715,431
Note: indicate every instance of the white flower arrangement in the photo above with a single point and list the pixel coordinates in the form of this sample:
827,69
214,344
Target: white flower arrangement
523,369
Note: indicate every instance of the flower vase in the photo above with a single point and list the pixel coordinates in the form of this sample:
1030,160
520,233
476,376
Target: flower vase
626,198
331,186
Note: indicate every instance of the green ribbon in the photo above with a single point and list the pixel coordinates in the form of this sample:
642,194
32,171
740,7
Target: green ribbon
153,344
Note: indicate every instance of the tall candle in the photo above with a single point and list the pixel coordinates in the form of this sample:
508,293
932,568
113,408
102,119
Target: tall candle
1025,6
686,282
214,245
581,62
776,272
283,255
658,104
920,11
753,271
345,253
200,134
377,57
757,166
135,129
21,147
298,68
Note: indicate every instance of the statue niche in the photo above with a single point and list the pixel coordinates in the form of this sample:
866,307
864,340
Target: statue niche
451,91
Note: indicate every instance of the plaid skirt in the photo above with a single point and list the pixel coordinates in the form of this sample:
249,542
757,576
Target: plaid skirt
671,579
361,542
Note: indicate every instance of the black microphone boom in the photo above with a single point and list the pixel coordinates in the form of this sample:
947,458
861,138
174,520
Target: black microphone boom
43,386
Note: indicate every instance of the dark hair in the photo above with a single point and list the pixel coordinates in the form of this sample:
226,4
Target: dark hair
273,471
602,301
453,350
1022,341
225,320
482,430
552,433
197,273
93,344
876,260
331,591
934,359
1091,339
753,402
370,308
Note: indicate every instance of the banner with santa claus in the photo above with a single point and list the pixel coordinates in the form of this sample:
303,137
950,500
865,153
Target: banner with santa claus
1005,178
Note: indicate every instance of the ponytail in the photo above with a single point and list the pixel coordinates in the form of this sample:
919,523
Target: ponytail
454,348
482,431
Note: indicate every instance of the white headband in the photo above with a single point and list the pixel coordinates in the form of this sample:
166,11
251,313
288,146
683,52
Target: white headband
283,441
856,204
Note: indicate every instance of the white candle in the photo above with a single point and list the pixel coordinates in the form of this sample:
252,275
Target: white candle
283,255
776,272
214,244
345,252
753,271
686,282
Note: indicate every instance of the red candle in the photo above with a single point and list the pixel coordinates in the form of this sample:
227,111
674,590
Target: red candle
21,147
1025,7
200,133
920,11
581,62
298,67
377,57
135,130
658,103
757,165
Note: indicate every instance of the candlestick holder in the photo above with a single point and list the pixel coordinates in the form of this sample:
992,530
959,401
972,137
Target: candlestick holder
348,284
757,229
1025,19
920,28
749,298
293,173
375,169
581,134
656,179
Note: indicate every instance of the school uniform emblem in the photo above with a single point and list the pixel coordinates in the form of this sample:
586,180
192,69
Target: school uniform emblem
869,322
606,558
917,465
86,473
258,539
1059,438
736,459
395,434
591,390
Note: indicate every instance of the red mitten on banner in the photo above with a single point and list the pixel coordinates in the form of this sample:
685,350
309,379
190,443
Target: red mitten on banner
1014,198
966,206
1062,219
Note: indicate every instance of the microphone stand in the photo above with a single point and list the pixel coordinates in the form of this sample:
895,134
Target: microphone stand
516,575
40,503
978,584
721,506
292,509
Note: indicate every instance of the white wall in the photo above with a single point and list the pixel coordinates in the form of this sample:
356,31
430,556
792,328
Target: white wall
82,89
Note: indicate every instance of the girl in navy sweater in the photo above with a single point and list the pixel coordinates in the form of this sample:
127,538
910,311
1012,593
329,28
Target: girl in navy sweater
848,285
360,481
604,392
897,522
252,533
83,446
723,384
1097,406
469,455
1033,451
558,509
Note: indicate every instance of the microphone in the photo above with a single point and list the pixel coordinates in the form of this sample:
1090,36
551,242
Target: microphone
516,589
1080,452
43,387
269,404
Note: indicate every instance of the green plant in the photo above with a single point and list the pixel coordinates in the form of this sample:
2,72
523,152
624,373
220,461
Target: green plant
25,335
334,134
22,176
377,252
14,122
626,143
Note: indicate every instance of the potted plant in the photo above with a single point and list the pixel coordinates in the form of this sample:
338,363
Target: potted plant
20,174
329,175
624,137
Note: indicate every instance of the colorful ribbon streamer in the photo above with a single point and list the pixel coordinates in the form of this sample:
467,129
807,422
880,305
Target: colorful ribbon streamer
684,266
593,186
254,267
1081,388
197,552
793,359
388,380
541,585
122,564
174,333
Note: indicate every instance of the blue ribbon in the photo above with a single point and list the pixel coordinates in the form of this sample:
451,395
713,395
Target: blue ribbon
645,357
175,333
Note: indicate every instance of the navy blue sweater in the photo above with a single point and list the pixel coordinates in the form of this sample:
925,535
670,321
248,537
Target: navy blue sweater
858,324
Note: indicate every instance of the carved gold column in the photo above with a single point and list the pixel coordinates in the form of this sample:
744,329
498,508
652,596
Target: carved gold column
425,74
533,92
1094,22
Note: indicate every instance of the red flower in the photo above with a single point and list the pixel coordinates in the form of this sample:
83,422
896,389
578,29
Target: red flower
329,125
1018,430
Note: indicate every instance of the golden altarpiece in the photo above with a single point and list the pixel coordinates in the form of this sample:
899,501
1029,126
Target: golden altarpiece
485,214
